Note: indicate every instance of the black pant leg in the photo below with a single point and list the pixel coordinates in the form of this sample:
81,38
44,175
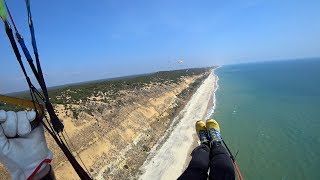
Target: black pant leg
199,164
221,166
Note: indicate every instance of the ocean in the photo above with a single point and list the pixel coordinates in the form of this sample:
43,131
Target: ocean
270,113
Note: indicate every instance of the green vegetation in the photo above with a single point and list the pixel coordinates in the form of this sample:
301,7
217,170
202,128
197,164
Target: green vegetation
77,93
9,107
110,91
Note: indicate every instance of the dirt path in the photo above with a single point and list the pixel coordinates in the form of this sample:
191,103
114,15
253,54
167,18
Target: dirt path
168,162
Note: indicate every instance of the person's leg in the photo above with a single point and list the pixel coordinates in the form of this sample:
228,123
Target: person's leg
199,164
221,166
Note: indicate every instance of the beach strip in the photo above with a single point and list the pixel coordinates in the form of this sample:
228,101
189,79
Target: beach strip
169,160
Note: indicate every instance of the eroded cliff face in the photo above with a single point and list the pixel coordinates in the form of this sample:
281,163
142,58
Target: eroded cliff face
114,139
113,144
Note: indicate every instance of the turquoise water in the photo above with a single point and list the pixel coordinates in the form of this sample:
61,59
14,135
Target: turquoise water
270,112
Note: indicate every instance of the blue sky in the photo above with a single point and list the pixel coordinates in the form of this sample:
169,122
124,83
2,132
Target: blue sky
86,40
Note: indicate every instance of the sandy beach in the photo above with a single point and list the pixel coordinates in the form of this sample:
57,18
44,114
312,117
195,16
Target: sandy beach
169,160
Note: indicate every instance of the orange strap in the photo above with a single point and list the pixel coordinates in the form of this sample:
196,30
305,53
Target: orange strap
238,170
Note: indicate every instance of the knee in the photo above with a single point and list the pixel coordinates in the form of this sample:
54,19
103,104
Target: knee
200,157
222,166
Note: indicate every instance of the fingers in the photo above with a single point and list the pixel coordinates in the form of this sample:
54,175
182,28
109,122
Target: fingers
31,115
10,125
14,124
24,119
3,138
24,127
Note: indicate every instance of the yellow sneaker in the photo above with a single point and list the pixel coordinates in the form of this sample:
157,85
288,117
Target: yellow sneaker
202,131
213,130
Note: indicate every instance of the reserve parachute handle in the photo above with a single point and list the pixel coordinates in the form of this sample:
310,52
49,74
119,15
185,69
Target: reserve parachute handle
26,104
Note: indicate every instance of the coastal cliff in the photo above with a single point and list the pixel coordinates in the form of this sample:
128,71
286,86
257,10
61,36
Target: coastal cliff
114,138
112,125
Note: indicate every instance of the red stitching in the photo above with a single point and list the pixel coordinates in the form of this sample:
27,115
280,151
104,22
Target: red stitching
38,167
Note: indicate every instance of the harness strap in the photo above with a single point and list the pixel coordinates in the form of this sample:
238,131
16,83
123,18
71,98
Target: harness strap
234,162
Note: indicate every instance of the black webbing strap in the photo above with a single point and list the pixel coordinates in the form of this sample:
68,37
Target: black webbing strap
56,123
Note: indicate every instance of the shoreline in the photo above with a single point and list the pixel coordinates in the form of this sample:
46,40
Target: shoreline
131,158
126,119
212,107
137,118
170,152
210,110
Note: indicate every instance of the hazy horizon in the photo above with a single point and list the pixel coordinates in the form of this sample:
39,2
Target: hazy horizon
120,77
87,41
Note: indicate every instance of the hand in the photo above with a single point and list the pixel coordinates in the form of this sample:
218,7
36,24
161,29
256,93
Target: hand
28,154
